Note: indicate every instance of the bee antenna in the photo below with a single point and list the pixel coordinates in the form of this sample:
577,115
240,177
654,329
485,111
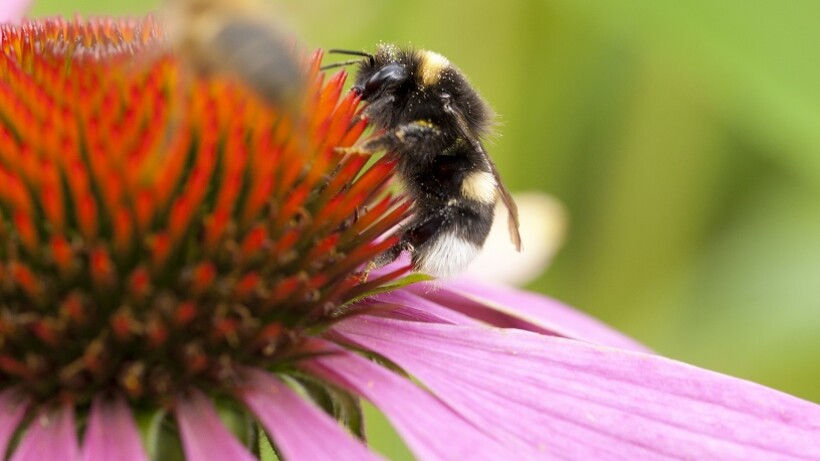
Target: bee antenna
340,64
369,56
350,52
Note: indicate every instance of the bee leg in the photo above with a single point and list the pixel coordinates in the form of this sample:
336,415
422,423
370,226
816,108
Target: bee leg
415,234
363,275
392,253
385,258
407,134
356,149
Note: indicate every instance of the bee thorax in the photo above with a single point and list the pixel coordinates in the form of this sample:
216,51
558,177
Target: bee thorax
431,66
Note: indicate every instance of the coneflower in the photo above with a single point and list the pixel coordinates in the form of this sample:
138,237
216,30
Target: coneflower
163,235
179,279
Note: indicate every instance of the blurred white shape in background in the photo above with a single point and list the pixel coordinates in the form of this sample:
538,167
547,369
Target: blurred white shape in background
543,227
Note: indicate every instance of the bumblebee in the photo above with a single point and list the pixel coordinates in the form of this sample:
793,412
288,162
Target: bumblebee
431,121
240,38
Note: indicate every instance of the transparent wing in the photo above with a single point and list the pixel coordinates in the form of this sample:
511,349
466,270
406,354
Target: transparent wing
512,219
512,209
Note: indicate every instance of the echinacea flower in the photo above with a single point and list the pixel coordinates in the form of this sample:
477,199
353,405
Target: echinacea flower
178,280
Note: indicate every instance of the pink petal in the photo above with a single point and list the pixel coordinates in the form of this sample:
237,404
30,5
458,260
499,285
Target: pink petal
12,10
12,410
582,401
50,435
403,304
204,437
512,308
431,430
112,434
299,429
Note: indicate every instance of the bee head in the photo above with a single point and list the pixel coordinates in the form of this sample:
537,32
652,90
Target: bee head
401,85
382,80
381,74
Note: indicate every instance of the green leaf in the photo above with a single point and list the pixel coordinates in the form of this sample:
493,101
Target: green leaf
394,285
237,420
342,406
266,450
349,412
160,435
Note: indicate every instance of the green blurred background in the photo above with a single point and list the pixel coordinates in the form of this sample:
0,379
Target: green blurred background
683,137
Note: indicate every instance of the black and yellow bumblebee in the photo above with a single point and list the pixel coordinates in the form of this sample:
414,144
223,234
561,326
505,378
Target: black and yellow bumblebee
239,38
431,120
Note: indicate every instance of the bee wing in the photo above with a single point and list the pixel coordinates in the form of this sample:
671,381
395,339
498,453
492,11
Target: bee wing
513,222
512,209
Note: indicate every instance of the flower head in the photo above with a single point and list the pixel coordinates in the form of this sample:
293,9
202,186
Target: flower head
161,232
173,248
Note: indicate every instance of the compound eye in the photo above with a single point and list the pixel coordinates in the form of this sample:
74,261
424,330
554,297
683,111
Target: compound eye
388,75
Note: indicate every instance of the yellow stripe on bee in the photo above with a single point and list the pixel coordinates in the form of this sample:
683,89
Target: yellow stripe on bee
431,67
480,186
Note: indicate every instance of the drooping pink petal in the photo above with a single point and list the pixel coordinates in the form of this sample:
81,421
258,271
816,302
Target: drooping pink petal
111,433
12,410
583,401
12,10
511,308
51,435
204,437
300,430
431,430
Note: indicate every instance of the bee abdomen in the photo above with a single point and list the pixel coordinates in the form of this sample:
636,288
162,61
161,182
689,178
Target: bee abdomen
480,186
262,59
462,230
240,39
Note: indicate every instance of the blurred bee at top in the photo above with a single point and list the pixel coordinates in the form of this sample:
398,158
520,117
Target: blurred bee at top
431,121
239,38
